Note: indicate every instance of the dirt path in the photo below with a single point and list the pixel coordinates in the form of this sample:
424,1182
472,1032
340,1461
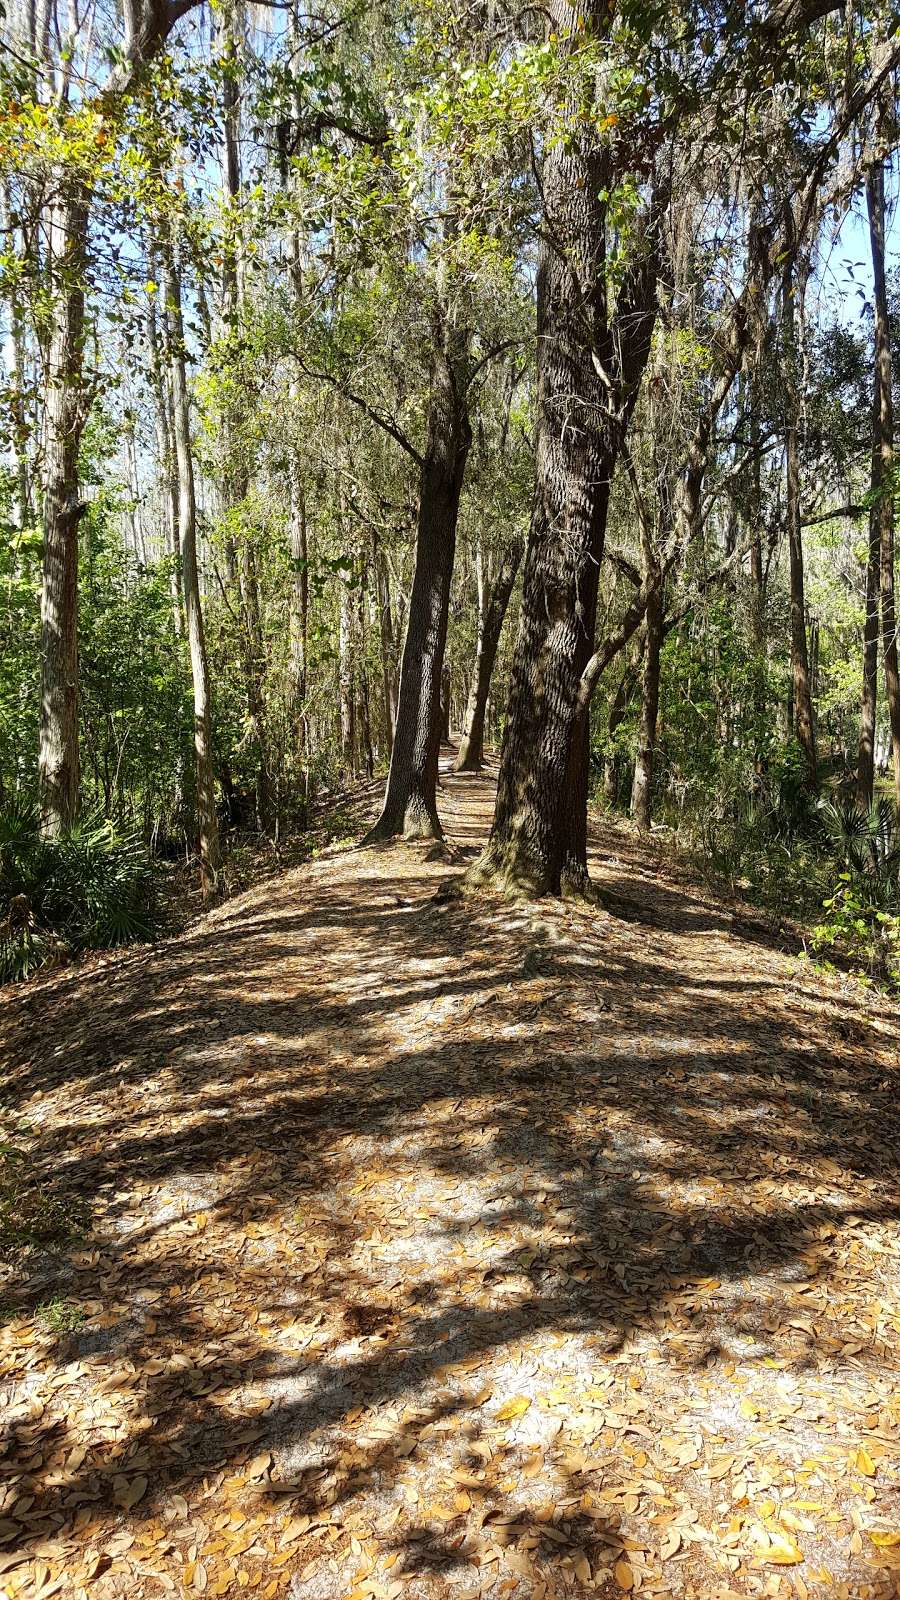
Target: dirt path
444,1247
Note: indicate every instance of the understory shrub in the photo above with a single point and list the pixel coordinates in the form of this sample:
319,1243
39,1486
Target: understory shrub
862,912
90,889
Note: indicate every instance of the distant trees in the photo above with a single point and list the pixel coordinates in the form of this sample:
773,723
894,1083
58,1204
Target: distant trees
454,367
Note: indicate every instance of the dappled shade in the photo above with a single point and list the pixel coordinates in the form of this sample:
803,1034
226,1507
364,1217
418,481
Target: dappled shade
446,1245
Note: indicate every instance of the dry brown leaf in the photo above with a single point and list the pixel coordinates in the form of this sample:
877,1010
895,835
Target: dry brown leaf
128,1491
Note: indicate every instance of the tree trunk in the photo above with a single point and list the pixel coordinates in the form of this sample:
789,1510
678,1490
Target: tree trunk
64,419
235,475
299,613
882,510
641,791
345,680
588,374
471,746
865,772
386,631
804,726
410,804
187,529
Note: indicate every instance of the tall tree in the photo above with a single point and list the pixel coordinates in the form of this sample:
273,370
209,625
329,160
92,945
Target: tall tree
882,511
207,824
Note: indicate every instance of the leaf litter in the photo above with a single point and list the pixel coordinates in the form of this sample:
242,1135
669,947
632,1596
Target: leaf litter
439,1245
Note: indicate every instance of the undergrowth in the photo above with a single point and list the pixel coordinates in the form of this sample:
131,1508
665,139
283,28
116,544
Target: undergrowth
89,889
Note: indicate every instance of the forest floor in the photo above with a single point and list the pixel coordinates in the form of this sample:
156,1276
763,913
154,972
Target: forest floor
433,1246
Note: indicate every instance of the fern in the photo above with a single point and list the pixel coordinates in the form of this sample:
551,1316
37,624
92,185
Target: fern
90,889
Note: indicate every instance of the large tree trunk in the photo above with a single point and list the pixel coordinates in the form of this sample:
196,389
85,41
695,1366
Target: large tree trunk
641,790
883,463
207,824
410,804
64,419
588,373
804,725
471,746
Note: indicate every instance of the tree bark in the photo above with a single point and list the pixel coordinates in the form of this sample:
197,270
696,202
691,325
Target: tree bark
641,791
410,804
386,633
345,680
804,725
64,419
470,756
882,511
207,824
588,374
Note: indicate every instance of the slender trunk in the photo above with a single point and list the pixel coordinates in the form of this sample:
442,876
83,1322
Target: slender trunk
386,632
471,745
64,418
236,475
410,804
641,791
446,702
883,463
187,528
804,726
617,711
299,613
363,716
162,416
345,681
865,771
19,429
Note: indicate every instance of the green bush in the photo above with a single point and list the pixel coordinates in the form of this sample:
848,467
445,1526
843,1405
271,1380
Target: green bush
90,889
862,912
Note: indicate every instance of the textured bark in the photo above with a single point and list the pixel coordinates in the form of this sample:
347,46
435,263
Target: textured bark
471,745
804,726
883,464
588,374
207,824
64,418
641,790
410,804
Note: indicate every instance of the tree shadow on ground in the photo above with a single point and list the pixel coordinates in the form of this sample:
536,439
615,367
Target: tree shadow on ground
348,1147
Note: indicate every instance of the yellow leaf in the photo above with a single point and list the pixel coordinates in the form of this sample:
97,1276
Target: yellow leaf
782,1553
623,1574
885,1541
863,1463
513,1408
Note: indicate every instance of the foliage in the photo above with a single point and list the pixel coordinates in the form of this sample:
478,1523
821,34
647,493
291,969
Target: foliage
862,913
90,889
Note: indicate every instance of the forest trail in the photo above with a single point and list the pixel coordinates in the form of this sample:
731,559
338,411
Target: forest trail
443,1246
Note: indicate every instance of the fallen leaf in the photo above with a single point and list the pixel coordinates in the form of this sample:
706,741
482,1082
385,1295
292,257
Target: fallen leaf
624,1575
